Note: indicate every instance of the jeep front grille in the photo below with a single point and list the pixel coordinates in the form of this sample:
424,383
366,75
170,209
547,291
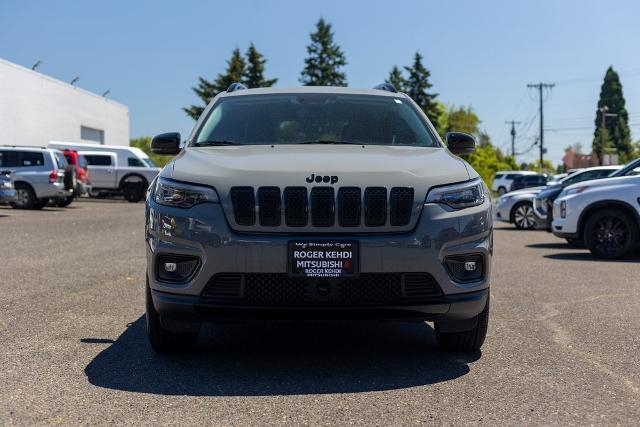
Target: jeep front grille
322,207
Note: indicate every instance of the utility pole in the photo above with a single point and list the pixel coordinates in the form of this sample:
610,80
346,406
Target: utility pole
541,86
513,137
603,128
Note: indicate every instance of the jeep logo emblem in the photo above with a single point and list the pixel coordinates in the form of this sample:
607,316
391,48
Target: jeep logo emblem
322,178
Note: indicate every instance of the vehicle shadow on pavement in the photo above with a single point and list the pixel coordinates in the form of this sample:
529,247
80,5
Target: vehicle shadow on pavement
280,358
558,245
585,255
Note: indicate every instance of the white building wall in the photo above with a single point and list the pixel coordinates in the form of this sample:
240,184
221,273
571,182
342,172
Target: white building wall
36,109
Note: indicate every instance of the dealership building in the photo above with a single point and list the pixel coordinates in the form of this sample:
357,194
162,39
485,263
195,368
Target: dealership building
36,109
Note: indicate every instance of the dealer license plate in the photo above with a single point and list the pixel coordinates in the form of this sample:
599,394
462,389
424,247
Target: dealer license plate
323,258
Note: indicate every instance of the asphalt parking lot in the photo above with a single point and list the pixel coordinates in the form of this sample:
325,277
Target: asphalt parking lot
563,342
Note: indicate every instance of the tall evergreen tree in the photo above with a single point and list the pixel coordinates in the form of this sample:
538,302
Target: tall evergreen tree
617,135
207,90
397,79
253,75
417,87
324,60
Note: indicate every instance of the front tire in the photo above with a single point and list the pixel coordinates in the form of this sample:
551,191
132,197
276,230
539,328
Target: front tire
502,191
162,340
133,192
523,216
610,233
469,340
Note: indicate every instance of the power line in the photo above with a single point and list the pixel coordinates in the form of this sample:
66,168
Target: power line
541,86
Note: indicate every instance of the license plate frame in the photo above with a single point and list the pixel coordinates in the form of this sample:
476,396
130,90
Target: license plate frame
332,251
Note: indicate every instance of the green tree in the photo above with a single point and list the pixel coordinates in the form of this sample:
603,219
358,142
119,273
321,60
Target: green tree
207,90
618,135
253,75
144,143
462,119
324,59
396,79
418,86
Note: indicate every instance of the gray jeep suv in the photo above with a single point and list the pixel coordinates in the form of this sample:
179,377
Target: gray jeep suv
317,202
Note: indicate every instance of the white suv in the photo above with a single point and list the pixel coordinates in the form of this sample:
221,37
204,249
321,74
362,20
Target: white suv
502,181
604,213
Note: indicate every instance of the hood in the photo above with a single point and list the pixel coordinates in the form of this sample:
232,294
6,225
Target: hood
529,190
294,165
614,182
550,191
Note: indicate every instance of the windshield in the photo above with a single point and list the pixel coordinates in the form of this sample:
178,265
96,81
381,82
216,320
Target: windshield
632,168
314,118
150,163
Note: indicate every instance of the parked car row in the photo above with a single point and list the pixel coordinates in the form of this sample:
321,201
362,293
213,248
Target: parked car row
597,208
602,214
63,171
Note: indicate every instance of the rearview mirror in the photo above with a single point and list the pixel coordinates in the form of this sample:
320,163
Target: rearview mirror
166,143
460,143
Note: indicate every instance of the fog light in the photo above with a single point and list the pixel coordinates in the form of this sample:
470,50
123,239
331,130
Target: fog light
176,268
465,268
563,209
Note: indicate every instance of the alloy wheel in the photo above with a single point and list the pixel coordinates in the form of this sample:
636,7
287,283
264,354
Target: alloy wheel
523,216
22,197
611,235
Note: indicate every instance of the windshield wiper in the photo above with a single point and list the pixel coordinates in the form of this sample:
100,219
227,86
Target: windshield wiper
214,143
328,141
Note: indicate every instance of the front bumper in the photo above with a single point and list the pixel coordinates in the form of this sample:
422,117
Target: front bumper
7,195
197,309
203,231
503,209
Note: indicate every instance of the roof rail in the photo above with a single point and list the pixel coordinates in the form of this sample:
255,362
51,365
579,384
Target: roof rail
235,86
387,86
22,146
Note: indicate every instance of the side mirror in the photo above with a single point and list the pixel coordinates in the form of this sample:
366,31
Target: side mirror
460,143
166,143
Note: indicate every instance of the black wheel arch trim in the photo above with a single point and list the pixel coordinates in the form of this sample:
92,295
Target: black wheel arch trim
123,180
601,204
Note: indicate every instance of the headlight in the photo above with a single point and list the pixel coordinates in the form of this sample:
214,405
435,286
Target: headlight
181,195
576,190
458,196
5,184
540,205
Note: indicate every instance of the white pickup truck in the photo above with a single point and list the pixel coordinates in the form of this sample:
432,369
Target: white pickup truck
109,176
115,169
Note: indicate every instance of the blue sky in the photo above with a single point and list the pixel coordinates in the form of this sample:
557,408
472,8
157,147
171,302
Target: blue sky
481,53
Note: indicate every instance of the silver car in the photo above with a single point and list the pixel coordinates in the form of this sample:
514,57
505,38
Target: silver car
317,202
37,175
516,208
